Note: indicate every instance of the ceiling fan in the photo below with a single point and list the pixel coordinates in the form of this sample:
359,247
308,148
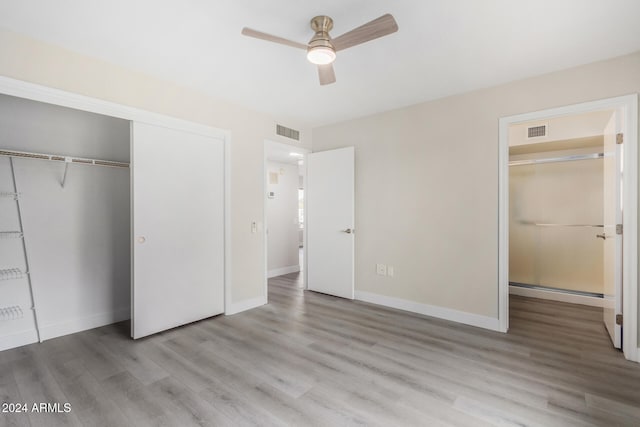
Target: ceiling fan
321,49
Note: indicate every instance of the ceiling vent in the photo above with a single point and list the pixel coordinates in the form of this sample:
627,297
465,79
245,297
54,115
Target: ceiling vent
288,132
537,131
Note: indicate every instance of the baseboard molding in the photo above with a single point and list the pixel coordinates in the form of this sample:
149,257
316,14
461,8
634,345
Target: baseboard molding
245,305
58,329
556,296
283,270
477,320
18,339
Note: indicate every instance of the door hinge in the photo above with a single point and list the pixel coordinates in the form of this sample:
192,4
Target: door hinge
618,228
618,319
619,138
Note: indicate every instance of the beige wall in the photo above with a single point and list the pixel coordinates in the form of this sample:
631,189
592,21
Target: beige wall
427,183
33,61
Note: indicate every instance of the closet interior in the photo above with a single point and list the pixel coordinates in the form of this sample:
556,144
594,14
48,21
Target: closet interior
64,220
557,199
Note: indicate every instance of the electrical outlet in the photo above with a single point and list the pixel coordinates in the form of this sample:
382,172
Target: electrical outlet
390,270
381,269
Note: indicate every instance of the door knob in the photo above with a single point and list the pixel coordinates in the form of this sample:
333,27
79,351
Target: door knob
141,239
348,231
602,236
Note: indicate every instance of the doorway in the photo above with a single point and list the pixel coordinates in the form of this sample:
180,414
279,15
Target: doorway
284,218
559,233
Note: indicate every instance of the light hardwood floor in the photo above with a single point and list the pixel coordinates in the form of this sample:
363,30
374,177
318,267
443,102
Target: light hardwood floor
311,359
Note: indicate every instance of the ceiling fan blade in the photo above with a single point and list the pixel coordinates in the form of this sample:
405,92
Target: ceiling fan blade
270,38
326,74
379,27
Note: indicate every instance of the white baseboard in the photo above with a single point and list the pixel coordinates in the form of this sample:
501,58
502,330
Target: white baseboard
478,320
18,339
283,270
556,296
58,329
245,305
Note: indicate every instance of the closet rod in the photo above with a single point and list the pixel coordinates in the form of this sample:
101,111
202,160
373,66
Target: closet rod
546,224
67,159
559,159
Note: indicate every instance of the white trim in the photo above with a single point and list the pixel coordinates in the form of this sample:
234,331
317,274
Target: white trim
283,270
503,227
35,92
71,326
265,230
305,244
18,339
477,320
228,297
245,305
556,296
629,104
132,251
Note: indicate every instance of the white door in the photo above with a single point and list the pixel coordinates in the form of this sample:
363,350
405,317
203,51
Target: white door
178,228
330,222
611,239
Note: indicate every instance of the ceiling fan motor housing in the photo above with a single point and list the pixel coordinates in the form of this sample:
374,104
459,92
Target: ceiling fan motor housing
321,25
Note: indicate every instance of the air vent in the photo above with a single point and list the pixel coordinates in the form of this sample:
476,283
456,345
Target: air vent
537,131
288,132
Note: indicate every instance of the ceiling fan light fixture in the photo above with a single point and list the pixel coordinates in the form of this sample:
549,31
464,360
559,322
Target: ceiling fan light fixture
321,55
322,48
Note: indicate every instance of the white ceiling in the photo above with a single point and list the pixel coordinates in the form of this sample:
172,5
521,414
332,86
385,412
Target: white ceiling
281,153
443,47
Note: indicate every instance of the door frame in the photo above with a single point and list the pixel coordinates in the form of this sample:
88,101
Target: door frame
270,144
629,106
36,92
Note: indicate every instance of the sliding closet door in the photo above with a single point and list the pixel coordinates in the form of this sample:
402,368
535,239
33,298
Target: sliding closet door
177,226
